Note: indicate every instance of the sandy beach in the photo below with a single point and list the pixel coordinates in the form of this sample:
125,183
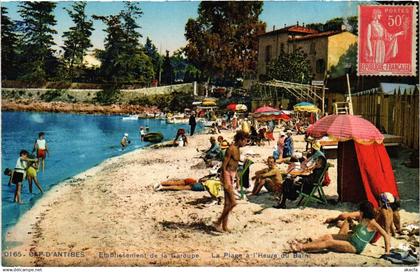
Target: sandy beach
111,216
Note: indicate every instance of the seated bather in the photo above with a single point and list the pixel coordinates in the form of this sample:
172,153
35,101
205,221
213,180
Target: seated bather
343,242
270,178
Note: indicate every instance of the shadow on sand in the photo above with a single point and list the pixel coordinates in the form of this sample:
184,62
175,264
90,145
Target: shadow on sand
194,226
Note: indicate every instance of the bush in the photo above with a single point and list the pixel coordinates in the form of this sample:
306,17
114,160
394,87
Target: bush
52,95
109,95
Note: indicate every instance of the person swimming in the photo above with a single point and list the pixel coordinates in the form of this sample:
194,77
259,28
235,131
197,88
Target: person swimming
125,141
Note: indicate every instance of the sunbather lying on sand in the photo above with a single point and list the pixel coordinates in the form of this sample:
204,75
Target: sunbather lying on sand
387,215
210,183
348,243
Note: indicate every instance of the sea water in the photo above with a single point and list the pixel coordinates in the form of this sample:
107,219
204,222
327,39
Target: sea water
76,142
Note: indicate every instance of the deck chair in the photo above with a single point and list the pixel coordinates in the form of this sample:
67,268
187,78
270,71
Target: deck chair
247,164
317,193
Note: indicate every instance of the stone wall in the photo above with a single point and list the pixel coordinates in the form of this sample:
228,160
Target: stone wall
87,95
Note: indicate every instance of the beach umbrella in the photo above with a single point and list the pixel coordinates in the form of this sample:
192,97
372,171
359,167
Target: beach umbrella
268,113
346,127
231,107
305,106
241,107
266,110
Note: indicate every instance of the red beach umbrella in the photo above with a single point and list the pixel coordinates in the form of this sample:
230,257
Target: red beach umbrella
346,127
231,107
267,109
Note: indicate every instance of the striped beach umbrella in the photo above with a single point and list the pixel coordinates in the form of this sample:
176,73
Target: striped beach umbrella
346,127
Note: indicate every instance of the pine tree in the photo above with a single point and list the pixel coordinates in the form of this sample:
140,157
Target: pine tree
77,39
151,51
38,55
168,70
123,59
9,42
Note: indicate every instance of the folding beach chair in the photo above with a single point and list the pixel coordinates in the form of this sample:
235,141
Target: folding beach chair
317,193
247,164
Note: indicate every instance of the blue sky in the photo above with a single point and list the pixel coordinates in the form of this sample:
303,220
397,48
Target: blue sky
164,22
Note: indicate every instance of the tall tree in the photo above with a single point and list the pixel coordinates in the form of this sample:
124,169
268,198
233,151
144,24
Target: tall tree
222,41
38,55
77,39
167,70
123,59
9,43
293,67
151,51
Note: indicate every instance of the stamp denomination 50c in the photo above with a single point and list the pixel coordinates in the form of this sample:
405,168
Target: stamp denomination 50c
387,40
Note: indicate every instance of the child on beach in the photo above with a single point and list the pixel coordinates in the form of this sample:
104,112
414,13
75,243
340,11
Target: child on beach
32,177
41,149
142,133
19,173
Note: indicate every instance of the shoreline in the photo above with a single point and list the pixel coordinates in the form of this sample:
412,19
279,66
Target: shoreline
112,208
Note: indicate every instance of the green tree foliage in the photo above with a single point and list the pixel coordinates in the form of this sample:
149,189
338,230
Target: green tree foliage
336,24
222,41
38,57
151,51
123,59
346,61
9,43
167,70
77,39
293,67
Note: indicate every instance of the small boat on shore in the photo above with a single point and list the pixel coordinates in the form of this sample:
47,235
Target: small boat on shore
153,137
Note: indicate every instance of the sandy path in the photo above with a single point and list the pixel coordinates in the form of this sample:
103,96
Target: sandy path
112,209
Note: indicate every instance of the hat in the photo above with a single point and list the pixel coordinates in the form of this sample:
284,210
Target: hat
224,145
316,145
289,131
389,197
126,134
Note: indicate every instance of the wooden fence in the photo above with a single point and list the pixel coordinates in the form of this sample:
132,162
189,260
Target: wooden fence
397,114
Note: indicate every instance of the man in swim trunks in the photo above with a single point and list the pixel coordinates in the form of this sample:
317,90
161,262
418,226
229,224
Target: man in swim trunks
41,149
229,168
270,178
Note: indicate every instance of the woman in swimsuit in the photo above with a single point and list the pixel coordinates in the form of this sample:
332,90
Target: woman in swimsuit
229,167
349,243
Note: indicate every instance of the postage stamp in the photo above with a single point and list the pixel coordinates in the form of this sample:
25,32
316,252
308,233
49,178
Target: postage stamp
387,40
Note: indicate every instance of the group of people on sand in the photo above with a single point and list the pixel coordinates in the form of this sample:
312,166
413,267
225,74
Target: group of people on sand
27,166
304,171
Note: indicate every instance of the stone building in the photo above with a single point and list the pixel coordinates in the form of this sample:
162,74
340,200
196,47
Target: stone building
322,48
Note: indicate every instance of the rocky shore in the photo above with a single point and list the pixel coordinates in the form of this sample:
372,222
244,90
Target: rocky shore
66,107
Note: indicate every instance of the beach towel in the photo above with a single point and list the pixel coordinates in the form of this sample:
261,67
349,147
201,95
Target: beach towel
398,256
214,187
